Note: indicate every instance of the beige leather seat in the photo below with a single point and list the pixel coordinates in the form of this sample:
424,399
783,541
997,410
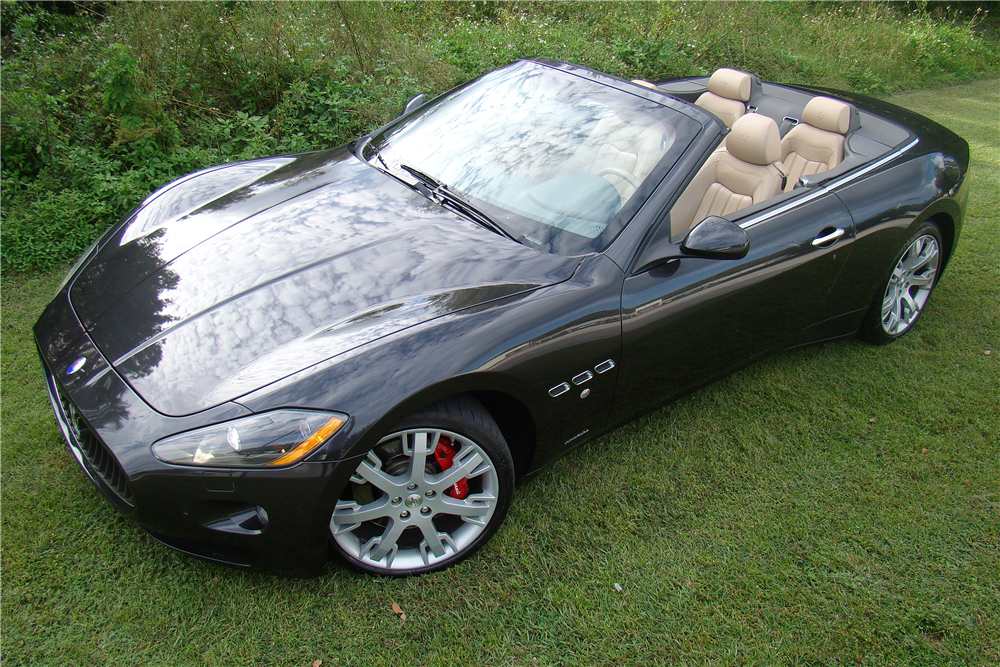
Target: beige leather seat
816,144
746,172
628,148
727,96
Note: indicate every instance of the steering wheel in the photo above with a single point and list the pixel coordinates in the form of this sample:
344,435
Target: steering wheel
621,173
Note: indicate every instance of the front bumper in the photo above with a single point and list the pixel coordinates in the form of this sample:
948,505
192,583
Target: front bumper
264,519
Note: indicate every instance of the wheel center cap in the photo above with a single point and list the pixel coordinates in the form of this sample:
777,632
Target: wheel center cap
414,500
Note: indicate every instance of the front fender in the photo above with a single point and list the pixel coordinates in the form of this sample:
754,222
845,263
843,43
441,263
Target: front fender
520,346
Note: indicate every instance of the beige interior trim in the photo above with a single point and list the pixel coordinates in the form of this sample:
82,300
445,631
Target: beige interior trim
755,139
729,181
827,114
727,110
727,95
816,144
731,84
616,143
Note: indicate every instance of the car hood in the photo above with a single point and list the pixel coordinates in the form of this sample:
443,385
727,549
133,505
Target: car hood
320,255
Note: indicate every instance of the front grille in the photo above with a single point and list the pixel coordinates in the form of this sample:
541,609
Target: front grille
101,460
97,458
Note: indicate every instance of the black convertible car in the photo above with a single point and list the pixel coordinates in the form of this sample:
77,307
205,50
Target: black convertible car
359,352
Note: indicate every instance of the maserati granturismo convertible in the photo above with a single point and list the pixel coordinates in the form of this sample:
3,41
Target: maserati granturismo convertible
357,353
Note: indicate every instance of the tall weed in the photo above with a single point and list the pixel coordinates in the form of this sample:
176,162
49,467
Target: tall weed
101,108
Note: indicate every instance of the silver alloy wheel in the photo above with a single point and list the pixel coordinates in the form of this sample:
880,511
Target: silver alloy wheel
411,522
910,285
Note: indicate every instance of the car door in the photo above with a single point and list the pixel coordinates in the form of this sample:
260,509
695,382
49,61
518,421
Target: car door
693,319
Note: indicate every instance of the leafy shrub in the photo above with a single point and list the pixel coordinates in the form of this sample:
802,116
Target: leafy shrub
101,108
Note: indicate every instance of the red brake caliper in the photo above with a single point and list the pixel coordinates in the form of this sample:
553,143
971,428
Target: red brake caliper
444,454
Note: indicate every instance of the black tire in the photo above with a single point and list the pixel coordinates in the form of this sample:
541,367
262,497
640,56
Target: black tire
903,294
424,520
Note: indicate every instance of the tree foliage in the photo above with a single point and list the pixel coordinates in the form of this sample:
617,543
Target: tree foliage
104,102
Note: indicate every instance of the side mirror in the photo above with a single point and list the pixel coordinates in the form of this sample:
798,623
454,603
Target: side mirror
716,238
415,103
712,238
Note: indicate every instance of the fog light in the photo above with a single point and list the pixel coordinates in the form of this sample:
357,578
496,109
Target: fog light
262,516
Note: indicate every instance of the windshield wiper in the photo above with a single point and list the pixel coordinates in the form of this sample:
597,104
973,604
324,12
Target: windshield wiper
428,181
377,154
442,194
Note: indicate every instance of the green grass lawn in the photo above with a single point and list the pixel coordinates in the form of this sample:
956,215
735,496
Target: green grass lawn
838,504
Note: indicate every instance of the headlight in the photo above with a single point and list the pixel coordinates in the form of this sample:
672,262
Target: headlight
269,439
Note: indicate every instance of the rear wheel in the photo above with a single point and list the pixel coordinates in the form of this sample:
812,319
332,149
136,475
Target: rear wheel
428,495
904,293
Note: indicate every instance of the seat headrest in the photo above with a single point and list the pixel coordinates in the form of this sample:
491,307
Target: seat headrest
755,139
730,83
827,114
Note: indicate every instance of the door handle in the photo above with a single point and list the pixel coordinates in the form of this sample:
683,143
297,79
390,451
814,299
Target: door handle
832,236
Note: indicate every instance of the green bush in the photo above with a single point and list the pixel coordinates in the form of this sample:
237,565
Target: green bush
100,109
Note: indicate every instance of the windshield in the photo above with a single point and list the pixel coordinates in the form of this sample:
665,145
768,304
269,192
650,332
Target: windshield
554,158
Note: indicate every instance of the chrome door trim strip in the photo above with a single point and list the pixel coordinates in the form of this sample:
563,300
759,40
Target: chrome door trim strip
843,180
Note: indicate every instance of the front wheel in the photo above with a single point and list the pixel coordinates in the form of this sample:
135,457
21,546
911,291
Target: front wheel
903,294
428,495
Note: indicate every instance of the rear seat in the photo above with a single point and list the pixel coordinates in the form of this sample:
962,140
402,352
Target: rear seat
727,96
816,144
812,146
